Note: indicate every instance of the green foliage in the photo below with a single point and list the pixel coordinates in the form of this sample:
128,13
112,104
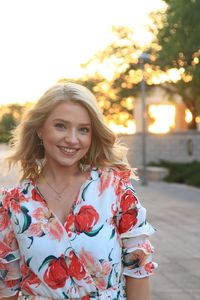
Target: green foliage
179,40
9,118
186,173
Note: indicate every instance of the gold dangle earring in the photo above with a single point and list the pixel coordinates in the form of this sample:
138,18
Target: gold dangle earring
83,164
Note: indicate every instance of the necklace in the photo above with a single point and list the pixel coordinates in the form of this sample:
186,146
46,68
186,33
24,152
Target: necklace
59,194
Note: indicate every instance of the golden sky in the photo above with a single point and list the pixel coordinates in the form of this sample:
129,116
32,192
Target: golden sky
45,40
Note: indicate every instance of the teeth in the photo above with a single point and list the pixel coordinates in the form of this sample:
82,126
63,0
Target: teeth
68,150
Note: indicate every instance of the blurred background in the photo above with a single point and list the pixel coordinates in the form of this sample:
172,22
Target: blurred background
142,61
140,58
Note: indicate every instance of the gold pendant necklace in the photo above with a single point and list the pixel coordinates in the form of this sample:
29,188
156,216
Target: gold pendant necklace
59,194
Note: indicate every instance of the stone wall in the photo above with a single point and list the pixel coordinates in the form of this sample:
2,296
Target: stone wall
175,147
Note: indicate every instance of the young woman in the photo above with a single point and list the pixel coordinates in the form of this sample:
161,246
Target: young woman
73,227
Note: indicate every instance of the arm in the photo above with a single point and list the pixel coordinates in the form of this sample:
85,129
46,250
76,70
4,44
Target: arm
138,288
10,298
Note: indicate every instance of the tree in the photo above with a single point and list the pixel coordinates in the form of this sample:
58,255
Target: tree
114,76
9,118
179,42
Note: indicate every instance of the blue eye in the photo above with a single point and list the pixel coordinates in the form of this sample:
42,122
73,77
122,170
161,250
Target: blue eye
60,125
84,129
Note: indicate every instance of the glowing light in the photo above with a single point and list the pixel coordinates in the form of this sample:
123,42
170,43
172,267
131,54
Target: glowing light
163,118
195,61
188,116
197,119
174,74
129,129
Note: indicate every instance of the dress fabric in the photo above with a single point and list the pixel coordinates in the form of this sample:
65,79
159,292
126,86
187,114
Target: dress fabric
104,238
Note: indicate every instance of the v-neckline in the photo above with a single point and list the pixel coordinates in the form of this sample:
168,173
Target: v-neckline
63,224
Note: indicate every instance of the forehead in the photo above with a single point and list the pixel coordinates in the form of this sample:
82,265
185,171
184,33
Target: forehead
68,110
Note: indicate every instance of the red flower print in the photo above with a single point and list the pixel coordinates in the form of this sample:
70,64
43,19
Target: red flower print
149,267
4,250
4,219
11,283
14,197
128,200
128,220
69,224
31,279
86,218
36,196
75,269
85,298
56,274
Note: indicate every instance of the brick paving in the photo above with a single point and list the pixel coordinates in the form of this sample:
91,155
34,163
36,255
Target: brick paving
174,210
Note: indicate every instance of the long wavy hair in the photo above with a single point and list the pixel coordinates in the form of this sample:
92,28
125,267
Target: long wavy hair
28,152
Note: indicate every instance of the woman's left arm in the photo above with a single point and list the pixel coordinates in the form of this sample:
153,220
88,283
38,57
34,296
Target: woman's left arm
138,288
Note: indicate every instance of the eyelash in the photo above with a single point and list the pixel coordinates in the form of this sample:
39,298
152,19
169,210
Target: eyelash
60,125
82,129
85,130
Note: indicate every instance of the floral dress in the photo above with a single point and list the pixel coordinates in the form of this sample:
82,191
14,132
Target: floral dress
104,238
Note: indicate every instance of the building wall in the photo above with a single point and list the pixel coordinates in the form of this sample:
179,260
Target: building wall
174,147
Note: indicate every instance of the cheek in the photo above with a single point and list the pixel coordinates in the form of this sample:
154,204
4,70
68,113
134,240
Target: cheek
87,141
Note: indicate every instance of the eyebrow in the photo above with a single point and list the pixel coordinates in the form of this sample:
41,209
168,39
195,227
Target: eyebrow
67,122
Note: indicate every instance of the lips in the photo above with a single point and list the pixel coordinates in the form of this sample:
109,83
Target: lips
68,150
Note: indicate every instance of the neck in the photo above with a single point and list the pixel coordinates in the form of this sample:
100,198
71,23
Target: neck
60,175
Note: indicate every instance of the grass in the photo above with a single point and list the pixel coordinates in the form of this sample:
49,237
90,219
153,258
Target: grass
186,173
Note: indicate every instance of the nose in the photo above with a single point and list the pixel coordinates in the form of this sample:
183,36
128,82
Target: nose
71,136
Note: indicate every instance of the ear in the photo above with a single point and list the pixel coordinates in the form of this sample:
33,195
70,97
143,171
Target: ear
39,134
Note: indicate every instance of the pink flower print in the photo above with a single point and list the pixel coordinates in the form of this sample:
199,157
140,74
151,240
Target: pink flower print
98,270
149,267
88,260
4,250
54,228
35,229
41,213
10,241
4,219
106,267
104,182
46,224
147,247
14,197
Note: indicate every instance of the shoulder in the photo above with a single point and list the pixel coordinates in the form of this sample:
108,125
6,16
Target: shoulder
14,192
109,176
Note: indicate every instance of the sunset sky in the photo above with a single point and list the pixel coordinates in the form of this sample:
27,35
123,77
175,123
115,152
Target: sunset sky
45,40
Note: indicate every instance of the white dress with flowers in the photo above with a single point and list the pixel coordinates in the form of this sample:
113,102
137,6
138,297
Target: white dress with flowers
105,236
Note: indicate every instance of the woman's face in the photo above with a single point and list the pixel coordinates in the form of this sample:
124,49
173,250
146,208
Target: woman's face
66,134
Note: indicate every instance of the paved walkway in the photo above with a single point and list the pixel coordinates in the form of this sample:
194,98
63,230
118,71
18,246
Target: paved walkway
175,211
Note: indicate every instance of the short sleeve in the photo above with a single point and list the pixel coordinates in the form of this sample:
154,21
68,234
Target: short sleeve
134,232
10,275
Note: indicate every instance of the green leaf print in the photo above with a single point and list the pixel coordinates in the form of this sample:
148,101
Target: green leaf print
9,257
27,219
46,261
31,238
28,261
84,190
93,232
112,234
109,280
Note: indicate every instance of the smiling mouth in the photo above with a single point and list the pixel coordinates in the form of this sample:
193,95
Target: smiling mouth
68,150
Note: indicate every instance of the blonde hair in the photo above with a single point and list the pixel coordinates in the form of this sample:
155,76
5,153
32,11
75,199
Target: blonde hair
26,148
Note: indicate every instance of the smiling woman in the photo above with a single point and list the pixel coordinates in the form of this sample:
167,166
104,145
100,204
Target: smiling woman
73,227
